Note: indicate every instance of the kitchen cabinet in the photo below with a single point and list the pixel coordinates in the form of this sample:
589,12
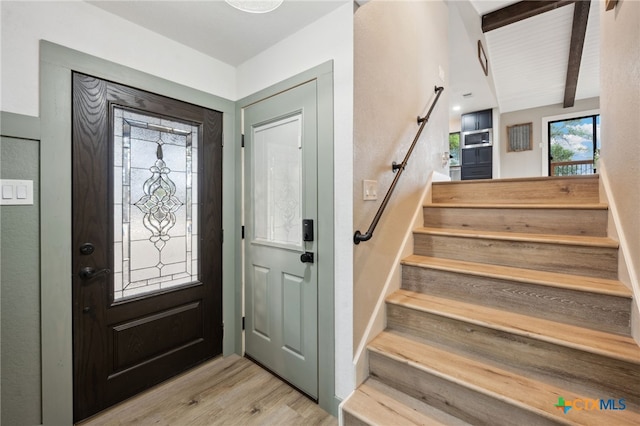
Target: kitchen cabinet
478,120
477,156
477,163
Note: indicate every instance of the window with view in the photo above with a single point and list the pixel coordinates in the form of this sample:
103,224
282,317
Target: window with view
454,149
574,146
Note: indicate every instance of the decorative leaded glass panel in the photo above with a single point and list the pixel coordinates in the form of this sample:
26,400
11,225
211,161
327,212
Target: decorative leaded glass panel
277,182
155,204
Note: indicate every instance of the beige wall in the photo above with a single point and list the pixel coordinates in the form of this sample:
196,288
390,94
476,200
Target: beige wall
529,163
620,109
399,46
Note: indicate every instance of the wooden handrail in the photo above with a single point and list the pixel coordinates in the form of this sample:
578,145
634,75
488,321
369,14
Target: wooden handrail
358,236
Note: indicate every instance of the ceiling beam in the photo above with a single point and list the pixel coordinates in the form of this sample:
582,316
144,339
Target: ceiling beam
519,11
578,31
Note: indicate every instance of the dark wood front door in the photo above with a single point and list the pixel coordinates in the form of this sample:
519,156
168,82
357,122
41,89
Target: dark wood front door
147,240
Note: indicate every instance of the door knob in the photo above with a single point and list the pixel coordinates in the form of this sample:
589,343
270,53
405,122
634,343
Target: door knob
306,257
89,272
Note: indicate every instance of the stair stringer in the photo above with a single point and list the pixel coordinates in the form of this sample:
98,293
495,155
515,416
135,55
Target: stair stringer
627,270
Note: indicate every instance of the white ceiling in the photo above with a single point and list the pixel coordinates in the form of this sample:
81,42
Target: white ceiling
528,59
465,75
215,28
485,6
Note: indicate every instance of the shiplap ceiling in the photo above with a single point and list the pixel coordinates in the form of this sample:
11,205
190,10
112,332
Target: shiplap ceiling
528,59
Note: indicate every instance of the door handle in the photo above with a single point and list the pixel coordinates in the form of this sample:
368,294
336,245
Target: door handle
306,257
89,272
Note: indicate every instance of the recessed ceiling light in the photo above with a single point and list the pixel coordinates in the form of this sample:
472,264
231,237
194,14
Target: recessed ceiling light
255,6
456,108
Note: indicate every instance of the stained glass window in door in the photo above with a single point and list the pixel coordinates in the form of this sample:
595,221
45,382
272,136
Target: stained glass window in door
155,203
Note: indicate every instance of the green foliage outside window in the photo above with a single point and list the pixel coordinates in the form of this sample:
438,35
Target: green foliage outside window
560,153
454,149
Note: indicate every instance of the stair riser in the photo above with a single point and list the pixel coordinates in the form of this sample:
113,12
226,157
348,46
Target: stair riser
349,419
601,262
563,366
536,191
585,309
467,404
535,221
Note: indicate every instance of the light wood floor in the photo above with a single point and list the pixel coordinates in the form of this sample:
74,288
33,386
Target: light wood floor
225,391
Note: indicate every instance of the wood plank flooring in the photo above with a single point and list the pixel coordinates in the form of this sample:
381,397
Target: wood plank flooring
225,391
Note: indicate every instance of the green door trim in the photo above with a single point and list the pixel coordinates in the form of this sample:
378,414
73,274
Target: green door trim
323,74
56,64
19,126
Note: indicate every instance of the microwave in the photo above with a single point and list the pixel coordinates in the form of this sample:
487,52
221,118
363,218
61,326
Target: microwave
476,138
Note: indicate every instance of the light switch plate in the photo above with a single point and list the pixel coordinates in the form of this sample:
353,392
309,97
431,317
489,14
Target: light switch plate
7,192
16,192
370,190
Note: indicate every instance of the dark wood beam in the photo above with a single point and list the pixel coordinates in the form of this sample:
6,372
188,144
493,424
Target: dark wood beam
578,31
519,11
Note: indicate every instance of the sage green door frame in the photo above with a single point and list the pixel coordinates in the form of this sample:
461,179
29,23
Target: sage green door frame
56,65
323,75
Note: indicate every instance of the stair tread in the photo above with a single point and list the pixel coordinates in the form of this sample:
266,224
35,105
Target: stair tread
518,236
378,404
518,180
577,206
552,279
506,386
598,342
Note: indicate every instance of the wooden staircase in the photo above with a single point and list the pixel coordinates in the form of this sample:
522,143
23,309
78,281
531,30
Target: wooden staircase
509,305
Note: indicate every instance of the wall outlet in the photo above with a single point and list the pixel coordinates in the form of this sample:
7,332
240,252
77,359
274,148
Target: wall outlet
370,190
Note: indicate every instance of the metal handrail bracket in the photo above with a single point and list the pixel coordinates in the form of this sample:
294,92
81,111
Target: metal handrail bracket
358,237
